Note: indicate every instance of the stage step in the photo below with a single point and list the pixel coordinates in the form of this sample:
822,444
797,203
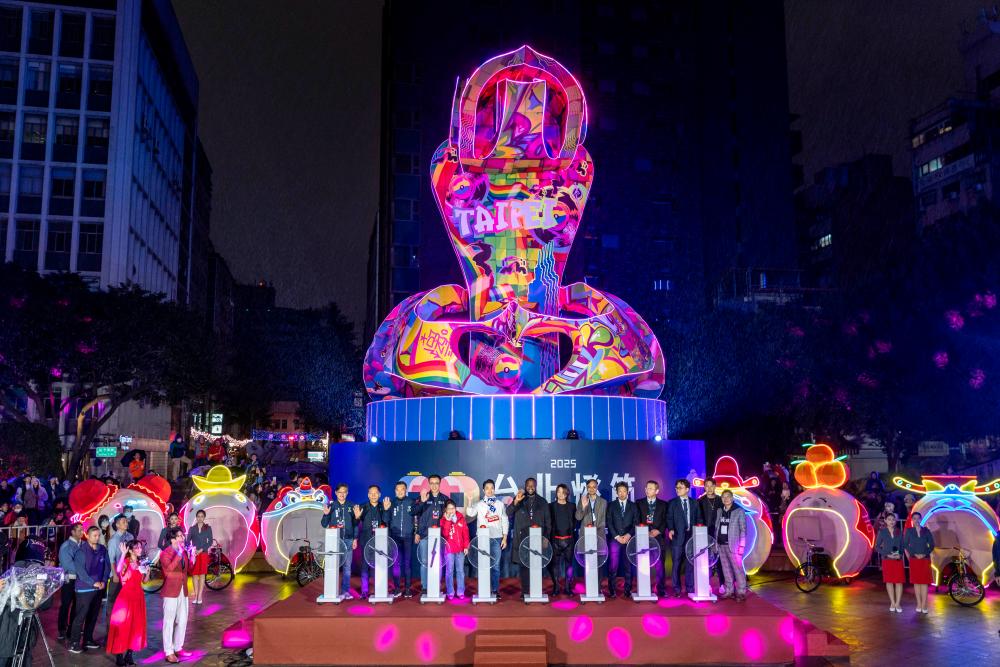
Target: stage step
525,648
822,644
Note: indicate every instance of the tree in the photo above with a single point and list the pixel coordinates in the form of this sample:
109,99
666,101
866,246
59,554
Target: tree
107,347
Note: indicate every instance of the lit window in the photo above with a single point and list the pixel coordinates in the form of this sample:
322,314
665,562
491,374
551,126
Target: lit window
826,241
35,129
931,166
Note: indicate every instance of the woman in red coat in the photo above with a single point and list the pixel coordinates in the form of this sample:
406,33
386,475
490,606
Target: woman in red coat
127,622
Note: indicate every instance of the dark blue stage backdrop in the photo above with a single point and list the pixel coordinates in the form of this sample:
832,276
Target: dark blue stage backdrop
465,464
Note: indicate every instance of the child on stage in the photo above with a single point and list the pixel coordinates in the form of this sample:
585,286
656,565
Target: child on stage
455,532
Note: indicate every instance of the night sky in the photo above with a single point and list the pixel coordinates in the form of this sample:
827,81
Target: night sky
290,117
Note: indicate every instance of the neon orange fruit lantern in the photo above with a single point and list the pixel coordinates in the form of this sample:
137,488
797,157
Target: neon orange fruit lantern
821,468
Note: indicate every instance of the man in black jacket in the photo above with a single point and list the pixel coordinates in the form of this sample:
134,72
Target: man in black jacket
528,509
653,512
369,517
683,514
400,515
710,506
622,517
429,509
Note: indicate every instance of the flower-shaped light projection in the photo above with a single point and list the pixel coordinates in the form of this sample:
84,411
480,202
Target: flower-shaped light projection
826,515
953,509
294,514
760,530
231,515
821,468
511,183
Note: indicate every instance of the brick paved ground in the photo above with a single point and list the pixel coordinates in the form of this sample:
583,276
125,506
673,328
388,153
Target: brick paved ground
857,613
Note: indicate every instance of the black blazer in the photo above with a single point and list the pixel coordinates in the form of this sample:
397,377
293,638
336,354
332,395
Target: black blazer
619,523
659,521
675,515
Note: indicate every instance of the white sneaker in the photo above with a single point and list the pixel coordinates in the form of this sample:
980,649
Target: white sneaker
899,610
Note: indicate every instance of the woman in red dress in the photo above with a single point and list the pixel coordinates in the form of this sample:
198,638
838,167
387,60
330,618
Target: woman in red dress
919,544
127,623
889,545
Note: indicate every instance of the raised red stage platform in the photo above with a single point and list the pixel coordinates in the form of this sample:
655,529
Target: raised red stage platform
297,631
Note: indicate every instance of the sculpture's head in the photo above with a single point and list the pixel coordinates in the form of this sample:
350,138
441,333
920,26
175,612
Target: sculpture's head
520,110
513,178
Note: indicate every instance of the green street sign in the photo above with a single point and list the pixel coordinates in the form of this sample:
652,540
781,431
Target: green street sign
106,452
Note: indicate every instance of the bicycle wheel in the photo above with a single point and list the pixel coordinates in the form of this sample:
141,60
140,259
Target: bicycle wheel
308,572
966,590
155,580
807,578
219,575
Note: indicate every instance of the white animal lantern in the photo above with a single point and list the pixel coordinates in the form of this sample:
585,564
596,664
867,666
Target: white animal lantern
826,516
149,498
295,514
953,510
231,515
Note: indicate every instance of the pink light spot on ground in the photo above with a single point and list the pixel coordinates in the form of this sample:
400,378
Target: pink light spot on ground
361,610
236,639
753,645
656,625
254,608
385,637
426,648
717,624
195,656
464,623
619,643
670,603
787,629
580,628
565,605
156,657
211,609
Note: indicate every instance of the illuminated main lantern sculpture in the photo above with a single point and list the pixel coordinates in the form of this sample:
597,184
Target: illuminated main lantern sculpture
957,516
294,515
511,183
148,497
826,515
231,515
760,530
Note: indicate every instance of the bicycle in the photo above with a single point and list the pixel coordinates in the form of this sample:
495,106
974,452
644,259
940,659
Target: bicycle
963,585
220,570
305,564
814,568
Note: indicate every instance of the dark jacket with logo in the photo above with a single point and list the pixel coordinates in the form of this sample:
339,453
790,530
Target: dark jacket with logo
342,516
430,512
400,517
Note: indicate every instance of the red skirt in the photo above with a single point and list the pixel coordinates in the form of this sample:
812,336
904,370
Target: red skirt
920,570
200,564
127,622
892,571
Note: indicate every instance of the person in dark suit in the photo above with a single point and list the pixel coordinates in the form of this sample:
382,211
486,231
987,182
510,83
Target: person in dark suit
622,517
652,512
683,514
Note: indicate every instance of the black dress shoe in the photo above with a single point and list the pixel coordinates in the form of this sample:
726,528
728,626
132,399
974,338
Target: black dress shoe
628,592
129,658
677,594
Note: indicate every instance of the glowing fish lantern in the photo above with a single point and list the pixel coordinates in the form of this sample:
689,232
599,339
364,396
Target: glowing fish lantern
760,530
826,516
231,515
952,509
294,514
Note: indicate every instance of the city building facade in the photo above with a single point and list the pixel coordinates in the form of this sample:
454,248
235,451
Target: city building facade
956,163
